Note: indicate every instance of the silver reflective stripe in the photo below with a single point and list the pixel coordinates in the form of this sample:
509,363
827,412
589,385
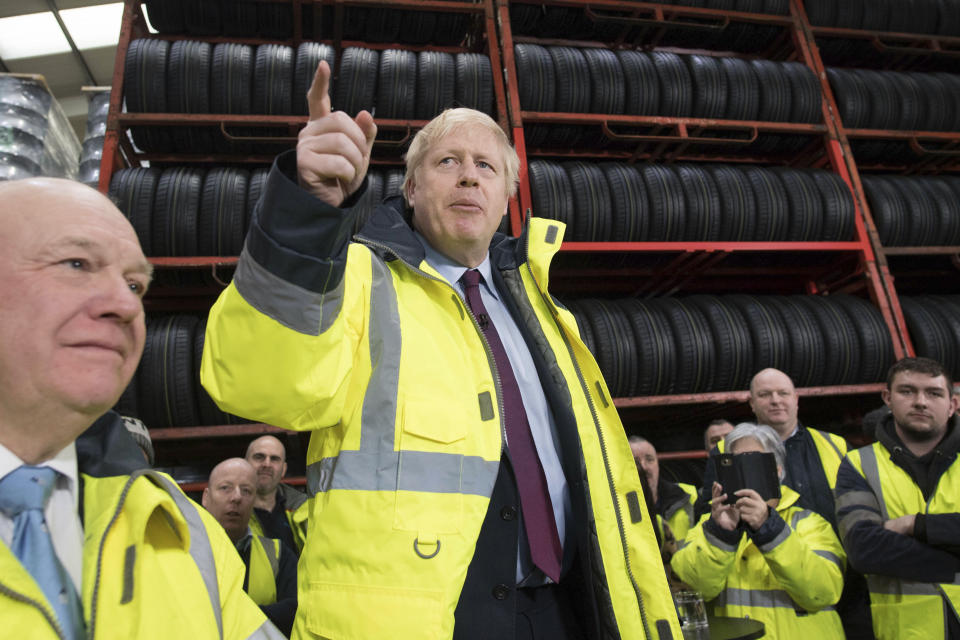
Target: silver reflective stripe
270,549
200,549
677,506
767,598
718,543
868,462
777,541
302,310
683,543
826,437
847,520
798,516
895,587
832,557
267,631
423,471
857,499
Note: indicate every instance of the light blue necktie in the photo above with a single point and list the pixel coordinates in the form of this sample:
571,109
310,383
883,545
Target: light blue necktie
23,496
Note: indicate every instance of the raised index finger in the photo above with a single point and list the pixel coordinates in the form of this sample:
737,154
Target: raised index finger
318,96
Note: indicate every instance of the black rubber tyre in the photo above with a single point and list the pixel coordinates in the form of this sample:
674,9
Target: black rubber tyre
535,78
166,16
275,20
885,105
772,207
134,191
273,80
417,27
938,103
357,82
922,224
947,206
145,76
949,24
702,203
551,193
231,78
392,183
188,91
876,347
694,343
822,13
911,100
805,204
668,216
223,212
167,396
852,96
473,86
838,207
583,325
732,346
841,341
308,57
210,414
770,345
608,85
451,28
573,93
396,84
177,206
807,352
656,351
775,94
591,201
931,339
709,86
676,86
737,203
877,16
888,209
436,83
743,93
369,201
777,7
255,185
630,207
804,91
642,84
202,18
952,83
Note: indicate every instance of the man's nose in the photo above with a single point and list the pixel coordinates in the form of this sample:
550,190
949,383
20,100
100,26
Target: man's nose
468,174
116,299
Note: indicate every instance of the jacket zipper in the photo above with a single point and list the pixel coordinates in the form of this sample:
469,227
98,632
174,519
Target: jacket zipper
603,449
476,325
103,540
16,595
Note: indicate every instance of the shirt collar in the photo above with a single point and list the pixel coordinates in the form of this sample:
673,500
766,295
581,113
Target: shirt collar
244,543
65,463
453,271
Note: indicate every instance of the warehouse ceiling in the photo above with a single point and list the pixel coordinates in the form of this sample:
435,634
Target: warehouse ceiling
33,40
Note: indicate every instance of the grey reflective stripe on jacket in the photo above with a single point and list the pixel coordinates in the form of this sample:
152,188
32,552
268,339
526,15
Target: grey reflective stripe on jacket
267,631
273,557
766,598
897,587
377,465
304,311
200,549
871,472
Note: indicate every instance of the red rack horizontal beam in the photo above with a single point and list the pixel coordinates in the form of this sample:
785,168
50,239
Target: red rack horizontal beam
741,396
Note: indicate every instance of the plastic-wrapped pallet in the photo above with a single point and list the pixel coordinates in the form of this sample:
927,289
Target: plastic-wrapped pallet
36,138
92,148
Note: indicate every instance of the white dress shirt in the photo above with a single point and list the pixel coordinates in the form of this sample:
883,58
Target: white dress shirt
63,519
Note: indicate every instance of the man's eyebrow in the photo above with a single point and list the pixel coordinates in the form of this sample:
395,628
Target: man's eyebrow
86,244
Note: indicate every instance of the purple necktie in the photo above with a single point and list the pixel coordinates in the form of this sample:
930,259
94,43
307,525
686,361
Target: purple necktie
539,523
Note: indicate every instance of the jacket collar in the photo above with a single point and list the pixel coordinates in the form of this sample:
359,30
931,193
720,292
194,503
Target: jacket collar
389,228
949,445
106,448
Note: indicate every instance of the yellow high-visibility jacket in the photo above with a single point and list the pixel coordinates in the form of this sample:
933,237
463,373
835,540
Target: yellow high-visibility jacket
914,581
381,359
295,511
790,581
264,567
679,512
155,565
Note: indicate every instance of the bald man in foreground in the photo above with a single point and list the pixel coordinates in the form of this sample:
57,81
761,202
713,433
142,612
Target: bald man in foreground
92,542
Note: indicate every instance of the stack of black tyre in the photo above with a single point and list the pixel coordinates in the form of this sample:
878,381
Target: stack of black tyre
901,100
940,17
91,151
273,20
189,76
165,390
597,23
660,83
707,343
914,211
608,201
933,322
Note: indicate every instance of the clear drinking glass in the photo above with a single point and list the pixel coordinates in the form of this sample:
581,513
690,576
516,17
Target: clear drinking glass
693,615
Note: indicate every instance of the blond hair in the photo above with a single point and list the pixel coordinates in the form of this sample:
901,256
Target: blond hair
446,122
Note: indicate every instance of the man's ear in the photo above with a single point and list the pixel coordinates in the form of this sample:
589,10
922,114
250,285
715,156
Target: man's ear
954,402
885,396
283,472
409,194
205,498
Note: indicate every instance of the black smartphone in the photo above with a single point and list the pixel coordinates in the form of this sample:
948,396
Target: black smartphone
752,470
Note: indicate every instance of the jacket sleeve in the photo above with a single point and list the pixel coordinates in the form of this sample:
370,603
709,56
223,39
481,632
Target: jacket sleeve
702,504
804,556
706,557
282,339
939,530
873,549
